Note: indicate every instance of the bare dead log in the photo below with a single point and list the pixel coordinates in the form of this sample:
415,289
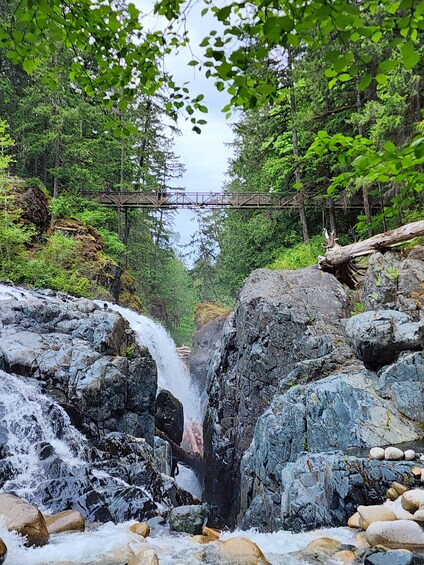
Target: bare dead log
190,459
340,260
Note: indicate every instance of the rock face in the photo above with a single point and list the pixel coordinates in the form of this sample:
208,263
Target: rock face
86,357
204,343
284,330
170,416
286,391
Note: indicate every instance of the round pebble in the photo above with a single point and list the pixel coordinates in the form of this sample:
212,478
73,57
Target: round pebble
377,453
393,454
409,455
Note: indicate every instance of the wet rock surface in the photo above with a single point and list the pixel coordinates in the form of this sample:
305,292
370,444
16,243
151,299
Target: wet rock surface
169,417
85,355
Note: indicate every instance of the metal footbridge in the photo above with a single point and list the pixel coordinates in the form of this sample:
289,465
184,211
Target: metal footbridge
166,199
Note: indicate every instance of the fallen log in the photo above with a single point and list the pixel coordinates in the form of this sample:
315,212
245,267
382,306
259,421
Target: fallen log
190,459
340,260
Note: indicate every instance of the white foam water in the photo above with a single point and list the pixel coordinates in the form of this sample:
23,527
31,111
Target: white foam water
27,419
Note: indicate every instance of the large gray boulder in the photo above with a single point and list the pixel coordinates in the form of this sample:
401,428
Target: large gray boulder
377,337
283,320
86,357
394,282
169,417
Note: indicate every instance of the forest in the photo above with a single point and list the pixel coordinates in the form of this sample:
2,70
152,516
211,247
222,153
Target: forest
330,99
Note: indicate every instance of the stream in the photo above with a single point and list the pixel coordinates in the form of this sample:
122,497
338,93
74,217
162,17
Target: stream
27,416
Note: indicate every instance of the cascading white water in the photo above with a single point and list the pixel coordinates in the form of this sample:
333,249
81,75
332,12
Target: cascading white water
172,374
28,417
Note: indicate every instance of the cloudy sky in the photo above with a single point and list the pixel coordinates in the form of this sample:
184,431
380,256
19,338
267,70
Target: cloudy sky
205,156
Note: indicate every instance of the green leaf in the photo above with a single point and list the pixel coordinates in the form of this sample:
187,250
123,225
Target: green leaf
381,78
364,82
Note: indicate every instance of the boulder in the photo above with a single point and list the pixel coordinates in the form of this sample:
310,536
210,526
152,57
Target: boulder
323,546
410,454
377,337
419,514
169,417
340,411
395,557
147,556
67,521
241,550
189,519
391,281
345,556
325,489
85,355
413,499
3,551
141,529
370,514
24,518
400,534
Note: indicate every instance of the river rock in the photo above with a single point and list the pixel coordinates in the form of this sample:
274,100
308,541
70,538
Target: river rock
419,514
395,557
413,499
241,550
396,507
24,518
370,514
377,453
169,417
353,521
323,546
400,489
400,534
146,556
392,494
3,551
393,454
345,556
66,521
410,454
377,337
189,519
141,529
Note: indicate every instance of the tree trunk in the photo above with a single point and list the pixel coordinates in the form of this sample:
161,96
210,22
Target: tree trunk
301,195
365,188
339,260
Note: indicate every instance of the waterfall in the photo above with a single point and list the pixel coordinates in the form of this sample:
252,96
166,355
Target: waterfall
172,373
29,418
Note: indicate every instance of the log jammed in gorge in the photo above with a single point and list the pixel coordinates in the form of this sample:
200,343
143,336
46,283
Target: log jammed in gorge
340,260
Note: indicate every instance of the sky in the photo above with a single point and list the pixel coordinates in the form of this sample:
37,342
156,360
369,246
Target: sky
204,156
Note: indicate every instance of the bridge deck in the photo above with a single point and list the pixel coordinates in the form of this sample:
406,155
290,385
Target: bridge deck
201,200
